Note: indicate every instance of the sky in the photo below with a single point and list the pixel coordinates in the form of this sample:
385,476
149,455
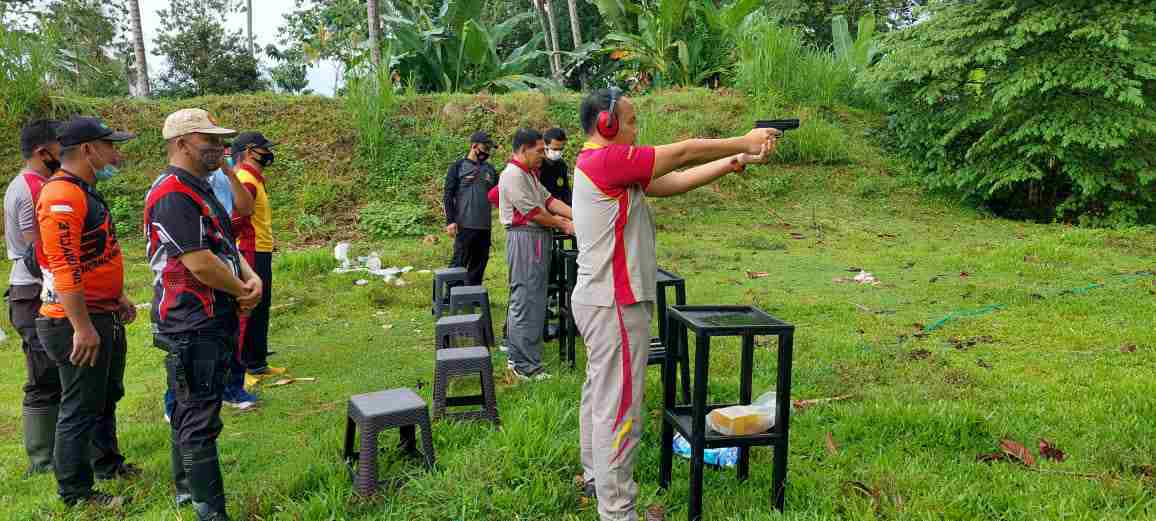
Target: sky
267,19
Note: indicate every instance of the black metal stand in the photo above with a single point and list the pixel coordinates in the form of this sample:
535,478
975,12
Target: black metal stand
661,346
567,330
690,421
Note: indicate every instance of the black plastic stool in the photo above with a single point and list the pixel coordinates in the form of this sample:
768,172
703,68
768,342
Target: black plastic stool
473,300
467,330
375,412
465,361
690,421
443,280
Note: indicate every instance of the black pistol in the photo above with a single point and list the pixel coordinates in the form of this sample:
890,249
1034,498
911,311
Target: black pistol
782,125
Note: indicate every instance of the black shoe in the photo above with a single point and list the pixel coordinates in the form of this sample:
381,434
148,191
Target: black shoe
208,513
34,470
589,491
122,471
99,500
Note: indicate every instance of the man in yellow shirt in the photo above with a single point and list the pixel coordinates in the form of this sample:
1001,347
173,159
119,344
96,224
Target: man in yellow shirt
253,154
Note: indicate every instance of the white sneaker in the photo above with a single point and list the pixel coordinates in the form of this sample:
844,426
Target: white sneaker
503,347
536,377
243,406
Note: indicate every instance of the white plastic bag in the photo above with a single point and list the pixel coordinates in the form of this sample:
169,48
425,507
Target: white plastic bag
744,420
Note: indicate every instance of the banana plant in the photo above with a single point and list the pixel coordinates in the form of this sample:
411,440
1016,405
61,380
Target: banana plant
452,51
859,53
662,39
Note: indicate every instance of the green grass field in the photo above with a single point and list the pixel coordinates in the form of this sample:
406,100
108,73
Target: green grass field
1058,365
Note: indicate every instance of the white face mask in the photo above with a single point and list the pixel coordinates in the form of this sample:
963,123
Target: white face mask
553,155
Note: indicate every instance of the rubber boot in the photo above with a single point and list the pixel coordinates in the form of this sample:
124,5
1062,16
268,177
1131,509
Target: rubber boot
39,438
180,477
205,482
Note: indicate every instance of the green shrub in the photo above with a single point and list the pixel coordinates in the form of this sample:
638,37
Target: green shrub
1040,109
380,219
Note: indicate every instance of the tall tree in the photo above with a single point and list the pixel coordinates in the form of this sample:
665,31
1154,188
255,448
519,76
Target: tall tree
555,50
249,20
540,10
84,33
374,32
575,25
203,57
142,68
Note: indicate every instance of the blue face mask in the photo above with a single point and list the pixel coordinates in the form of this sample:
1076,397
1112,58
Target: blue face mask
106,173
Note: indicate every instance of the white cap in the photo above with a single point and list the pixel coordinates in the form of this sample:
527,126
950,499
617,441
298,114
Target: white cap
192,121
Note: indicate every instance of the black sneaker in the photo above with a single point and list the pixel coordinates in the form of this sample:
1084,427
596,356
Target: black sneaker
99,500
589,491
122,471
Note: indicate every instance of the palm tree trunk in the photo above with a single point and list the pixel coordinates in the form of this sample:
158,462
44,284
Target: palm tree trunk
142,69
575,27
555,55
374,29
250,17
540,9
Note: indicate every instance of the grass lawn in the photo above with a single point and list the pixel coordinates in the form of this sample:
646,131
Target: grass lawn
1058,365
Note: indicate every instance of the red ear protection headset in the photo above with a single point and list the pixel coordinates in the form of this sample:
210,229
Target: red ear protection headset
607,121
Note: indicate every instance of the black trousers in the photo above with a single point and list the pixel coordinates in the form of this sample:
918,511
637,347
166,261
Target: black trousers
197,366
42,389
88,403
472,252
255,327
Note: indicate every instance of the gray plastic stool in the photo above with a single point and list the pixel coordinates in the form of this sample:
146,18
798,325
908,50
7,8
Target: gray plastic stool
443,280
374,412
465,361
470,300
468,330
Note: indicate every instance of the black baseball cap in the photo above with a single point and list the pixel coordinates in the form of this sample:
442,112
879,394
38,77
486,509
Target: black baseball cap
247,140
481,137
80,130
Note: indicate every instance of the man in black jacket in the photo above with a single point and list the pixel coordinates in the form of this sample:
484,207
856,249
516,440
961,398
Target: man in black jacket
555,175
468,183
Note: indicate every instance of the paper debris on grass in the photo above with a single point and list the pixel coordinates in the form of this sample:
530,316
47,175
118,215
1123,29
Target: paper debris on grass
361,282
862,278
287,381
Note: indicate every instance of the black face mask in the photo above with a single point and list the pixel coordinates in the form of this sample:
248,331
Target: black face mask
265,159
482,157
52,164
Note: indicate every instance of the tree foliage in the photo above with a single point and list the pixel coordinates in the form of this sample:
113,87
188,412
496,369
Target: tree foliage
1043,109
204,58
290,72
813,17
674,42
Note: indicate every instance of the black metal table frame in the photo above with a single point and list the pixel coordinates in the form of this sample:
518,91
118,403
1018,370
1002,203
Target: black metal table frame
679,284
690,421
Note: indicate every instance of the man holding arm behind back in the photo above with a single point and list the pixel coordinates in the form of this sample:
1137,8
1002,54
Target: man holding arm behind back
614,295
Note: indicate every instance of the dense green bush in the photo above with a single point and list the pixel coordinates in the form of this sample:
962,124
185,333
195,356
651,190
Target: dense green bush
1041,109
380,219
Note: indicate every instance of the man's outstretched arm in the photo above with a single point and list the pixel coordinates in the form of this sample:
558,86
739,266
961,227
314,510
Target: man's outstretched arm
674,156
683,181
